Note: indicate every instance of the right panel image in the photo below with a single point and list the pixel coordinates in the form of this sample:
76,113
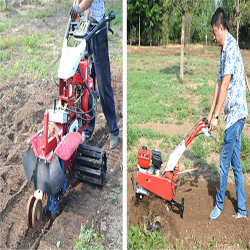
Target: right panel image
188,131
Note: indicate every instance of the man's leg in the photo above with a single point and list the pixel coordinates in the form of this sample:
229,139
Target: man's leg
225,159
239,183
102,69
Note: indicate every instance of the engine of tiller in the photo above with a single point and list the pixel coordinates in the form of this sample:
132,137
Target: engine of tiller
148,178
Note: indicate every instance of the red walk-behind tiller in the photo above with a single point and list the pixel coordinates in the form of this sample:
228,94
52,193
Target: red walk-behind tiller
148,179
55,151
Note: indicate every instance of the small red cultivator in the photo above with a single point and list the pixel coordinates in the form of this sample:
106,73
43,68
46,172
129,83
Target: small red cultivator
55,151
148,179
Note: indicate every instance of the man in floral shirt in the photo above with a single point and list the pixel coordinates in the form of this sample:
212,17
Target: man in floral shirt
230,91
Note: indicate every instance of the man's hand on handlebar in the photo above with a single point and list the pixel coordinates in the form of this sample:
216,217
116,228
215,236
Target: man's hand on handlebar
74,12
213,124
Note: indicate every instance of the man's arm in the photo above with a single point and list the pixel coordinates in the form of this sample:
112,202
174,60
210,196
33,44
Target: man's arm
215,100
84,4
221,99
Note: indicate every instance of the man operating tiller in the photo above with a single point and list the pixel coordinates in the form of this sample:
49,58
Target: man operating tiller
98,46
230,91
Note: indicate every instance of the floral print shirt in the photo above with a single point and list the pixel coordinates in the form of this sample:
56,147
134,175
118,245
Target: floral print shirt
231,63
97,10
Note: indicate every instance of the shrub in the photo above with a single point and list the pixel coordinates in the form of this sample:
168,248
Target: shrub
138,239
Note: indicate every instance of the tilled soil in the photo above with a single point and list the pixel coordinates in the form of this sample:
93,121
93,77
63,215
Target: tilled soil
23,105
83,203
195,229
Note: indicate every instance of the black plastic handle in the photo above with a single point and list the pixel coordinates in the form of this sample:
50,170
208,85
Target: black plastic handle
106,19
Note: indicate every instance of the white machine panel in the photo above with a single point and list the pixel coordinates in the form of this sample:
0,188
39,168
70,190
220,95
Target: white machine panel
57,116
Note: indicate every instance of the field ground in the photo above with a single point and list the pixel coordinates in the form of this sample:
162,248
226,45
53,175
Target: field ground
30,42
161,111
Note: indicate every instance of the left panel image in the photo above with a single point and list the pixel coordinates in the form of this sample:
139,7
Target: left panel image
61,125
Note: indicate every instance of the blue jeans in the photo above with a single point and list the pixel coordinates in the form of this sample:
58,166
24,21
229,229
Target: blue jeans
230,153
98,46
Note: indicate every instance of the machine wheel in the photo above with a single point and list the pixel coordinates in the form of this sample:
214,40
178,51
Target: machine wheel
29,210
37,214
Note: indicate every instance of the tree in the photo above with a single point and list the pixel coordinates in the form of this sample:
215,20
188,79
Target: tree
239,6
184,6
155,16
245,25
136,10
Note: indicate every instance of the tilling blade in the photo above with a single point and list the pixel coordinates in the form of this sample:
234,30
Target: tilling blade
29,163
42,177
57,178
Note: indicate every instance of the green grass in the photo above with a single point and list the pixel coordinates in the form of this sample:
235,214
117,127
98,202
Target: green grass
155,94
89,239
31,62
245,153
116,7
23,56
6,25
138,239
200,147
40,14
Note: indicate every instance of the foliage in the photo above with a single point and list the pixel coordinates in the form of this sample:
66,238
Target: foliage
168,20
217,145
114,196
200,147
6,25
138,239
150,13
89,239
117,9
245,153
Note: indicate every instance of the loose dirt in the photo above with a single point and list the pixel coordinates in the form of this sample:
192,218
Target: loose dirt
23,105
195,229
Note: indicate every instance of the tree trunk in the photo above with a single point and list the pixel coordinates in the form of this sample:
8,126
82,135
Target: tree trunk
249,39
139,32
182,45
238,24
130,36
206,42
237,20
189,30
6,4
150,39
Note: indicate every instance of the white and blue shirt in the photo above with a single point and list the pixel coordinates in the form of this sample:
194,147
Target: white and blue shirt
231,63
97,10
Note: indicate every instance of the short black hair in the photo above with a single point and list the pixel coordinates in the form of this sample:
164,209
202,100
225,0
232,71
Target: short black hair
218,18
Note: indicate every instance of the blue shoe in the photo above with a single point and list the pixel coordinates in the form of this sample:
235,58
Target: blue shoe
238,215
215,214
